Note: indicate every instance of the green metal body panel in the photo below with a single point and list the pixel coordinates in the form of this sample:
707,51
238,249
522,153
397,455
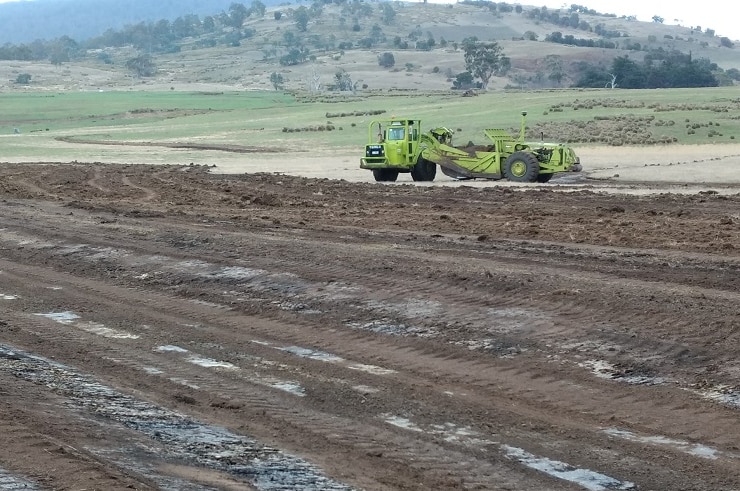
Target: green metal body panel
392,144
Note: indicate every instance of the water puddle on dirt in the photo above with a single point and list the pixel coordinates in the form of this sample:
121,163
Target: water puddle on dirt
412,307
593,481
106,332
61,317
312,354
4,296
10,482
211,363
724,394
452,433
609,371
285,385
183,439
384,326
695,449
70,318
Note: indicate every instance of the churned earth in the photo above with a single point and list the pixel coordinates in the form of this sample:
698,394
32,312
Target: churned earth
185,327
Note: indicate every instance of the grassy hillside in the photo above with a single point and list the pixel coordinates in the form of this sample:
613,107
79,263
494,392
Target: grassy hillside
336,37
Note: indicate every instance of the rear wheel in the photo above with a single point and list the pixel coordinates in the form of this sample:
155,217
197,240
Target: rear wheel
424,170
385,175
521,167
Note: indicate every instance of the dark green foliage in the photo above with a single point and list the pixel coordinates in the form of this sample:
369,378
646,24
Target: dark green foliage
386,60
343,82
295,56
569,39
142,66
238,13
483,60
464,81
276,79
257,8
105,58
23,79
733,73
301,18
387,13
661,69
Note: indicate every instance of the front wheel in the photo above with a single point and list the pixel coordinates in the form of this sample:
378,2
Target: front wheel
521,167
385,175
424,170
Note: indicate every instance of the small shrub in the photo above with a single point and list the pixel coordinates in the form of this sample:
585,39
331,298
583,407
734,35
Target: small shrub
23,79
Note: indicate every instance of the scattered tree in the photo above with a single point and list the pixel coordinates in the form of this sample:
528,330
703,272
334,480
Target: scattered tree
23,79
58,57
301,18
258,8
142,66
237,14
277,81
387,13
295,56
465,81
343,81
386,60
483,60
726,42
555,65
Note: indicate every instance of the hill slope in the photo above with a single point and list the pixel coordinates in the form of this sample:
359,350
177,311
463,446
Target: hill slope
335,39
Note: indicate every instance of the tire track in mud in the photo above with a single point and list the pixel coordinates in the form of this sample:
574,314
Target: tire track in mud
464,310
438,359
430,460
488,378
466,307
185,439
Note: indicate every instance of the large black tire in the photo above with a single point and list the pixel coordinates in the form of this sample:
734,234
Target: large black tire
385,175
424,170
521,167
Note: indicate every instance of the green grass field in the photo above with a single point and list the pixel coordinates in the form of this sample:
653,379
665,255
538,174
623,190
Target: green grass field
279,120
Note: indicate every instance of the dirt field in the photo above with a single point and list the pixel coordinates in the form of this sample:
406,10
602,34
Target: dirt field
167,327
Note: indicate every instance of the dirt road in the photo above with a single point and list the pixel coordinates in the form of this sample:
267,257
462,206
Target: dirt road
169,328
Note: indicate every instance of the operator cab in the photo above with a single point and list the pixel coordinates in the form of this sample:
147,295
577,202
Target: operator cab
396,133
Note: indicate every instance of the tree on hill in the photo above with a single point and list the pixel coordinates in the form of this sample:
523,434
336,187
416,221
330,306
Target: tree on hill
659,70
386,60
258,8
277,81
238,13
301,18
484,60
387,13
142,66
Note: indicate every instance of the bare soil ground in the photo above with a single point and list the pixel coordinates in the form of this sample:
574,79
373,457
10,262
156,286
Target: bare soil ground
167,327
